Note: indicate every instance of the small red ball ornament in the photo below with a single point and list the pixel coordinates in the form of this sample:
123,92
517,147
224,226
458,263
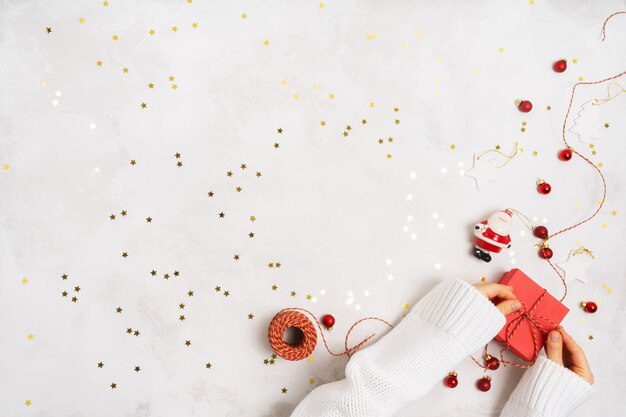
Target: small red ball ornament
541,232
491,362
525,106
560,66
543,187
546,253
328,321
484,383
565,154
451,380
589,306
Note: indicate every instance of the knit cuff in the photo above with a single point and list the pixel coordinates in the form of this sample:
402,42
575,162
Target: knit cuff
461,310
547,389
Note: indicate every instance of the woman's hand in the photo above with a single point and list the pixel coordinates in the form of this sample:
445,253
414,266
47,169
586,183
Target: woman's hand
502,294
562,349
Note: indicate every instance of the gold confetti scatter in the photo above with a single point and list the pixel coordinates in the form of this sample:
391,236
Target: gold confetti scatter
28,403
244,16
453,146
81,20
24,281
370,36
151,32
548,108
250,316
322,5
115,38
284,390
30,336
266,42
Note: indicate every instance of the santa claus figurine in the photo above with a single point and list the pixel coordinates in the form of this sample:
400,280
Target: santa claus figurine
492,235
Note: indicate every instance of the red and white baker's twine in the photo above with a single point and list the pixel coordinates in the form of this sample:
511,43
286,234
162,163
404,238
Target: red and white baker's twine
601,204
295,317
524,315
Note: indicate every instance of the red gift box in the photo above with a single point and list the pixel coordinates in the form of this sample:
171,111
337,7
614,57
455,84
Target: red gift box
526,329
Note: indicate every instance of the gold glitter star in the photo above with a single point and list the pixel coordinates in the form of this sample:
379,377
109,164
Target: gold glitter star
535,153
380,141
100,364
171,78
208,365
187,342
293,293
397,121
28,403
497,147
250,316
523,129
218,288
133,162
236,257
81,20
279,130
606,125
174,86
501,50
390,139
144,105
309,296
580,78
321,5
125,70
331,96
174,28
153,272
124,254
311,381
151,32
266,42
405,306
238,189
453,146
226,293
276,145
115,38
181,318
30,336
252,218
258,174
119,310
284,390
548,108
210,193
137,369
590,337
48,30
194,25
388,156
24,281
105,3
371,104
363,121
277,264
244,16
251,235
149,219
274,287
99,63
113,385
112,217
190,293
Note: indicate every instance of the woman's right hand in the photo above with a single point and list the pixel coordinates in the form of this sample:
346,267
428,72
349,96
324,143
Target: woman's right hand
562,349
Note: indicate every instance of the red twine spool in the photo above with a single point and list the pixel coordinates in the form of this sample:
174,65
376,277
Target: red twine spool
302,348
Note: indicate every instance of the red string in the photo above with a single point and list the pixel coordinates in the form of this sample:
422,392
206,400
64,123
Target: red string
600,205
291,317
605,22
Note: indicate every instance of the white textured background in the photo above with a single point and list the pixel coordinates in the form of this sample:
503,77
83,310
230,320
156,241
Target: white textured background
332,210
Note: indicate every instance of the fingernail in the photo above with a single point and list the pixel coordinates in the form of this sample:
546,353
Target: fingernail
555,336
516,305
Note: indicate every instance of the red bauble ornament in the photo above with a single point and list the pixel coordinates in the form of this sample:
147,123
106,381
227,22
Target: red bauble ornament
546,253
491,362
328,321
525,106
560,66
589,306
541,232
484,383
565,154
543,187
451,380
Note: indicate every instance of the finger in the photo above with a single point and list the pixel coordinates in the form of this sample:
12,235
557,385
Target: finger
503,292
508,306
576,353
554,347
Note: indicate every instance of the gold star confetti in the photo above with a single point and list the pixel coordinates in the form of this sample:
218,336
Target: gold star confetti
28,403
331,96
119,310
115,38
311,381
250,316
575,61
321,5
284,390
388,156
614,212
606,125
483,278
133,162
453,146
99,63
236,257
187,342
137,369
580,78
113,385
144,105
24,281
501,50
276,145
174,86
81,20
405,306
30,336
370,36
48,30
151,32
208,365
535,153
244,16
125,70
174,28
371,104
105,3
266,42
274,287
548,108
497,147
194,25
293,293
590,337
309,296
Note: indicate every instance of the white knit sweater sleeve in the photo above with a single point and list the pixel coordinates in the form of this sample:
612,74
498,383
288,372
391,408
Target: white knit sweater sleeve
547,390
449,323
